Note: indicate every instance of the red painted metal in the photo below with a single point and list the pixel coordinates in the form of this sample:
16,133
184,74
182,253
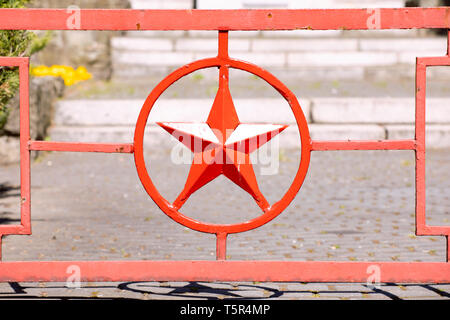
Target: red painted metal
222,104
80,147
305,271
25,192
218,157
254,19
422,229
222,117
363,145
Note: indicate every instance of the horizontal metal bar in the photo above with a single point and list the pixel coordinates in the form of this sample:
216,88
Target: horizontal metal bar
13,229
434,61
244,19
80,147
305,271
363,145
424,230
13,61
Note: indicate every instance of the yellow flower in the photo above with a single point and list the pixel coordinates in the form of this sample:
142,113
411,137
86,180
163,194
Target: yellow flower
40,71
68,81
83,74
69,74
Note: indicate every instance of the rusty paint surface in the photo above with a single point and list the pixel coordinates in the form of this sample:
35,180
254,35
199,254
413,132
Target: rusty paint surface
25,190
80,147
256,19
422,229
304,271
363,145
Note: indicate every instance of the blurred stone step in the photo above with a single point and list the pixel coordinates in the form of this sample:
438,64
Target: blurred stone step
284,34
328,118
345,110
156,136
436,45
161,4
346,59
126,112
296,4
437,136
255,4
377,110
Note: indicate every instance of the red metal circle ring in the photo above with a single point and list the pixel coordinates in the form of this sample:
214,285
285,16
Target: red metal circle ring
165,205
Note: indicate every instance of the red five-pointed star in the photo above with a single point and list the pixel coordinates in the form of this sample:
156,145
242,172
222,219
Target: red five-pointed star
222,145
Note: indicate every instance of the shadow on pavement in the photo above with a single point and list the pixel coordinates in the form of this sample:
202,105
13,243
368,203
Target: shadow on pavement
208,291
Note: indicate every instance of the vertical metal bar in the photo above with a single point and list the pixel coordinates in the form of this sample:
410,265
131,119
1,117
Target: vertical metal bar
448,42
223,78
448,248
223,44
221,246
448,236
25,179
420,145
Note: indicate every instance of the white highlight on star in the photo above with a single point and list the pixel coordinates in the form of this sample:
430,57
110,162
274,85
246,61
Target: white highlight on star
246,131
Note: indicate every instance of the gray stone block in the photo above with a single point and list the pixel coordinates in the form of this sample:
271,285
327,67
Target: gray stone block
153,58
201,44
286,45
43,93
126,112
436,136
377,110
404,44
346,132
342,59
9,150
142,44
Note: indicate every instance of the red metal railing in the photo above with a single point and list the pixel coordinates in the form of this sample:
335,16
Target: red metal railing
224,21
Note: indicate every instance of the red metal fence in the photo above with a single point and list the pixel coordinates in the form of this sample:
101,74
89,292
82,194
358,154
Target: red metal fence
224,21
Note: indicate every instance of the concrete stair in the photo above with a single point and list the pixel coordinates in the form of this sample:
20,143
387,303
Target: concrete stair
328,119
327,54
318,55
282,4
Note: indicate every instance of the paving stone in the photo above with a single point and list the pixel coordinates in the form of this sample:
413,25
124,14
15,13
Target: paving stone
91,206
408,291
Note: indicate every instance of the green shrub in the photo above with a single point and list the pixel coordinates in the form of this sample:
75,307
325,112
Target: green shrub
15,43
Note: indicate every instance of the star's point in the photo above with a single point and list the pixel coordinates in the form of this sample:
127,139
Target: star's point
222,145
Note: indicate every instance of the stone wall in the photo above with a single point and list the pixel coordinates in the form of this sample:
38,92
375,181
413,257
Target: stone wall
44,92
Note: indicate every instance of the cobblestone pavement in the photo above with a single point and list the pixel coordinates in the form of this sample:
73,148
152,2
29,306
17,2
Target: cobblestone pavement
353,206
